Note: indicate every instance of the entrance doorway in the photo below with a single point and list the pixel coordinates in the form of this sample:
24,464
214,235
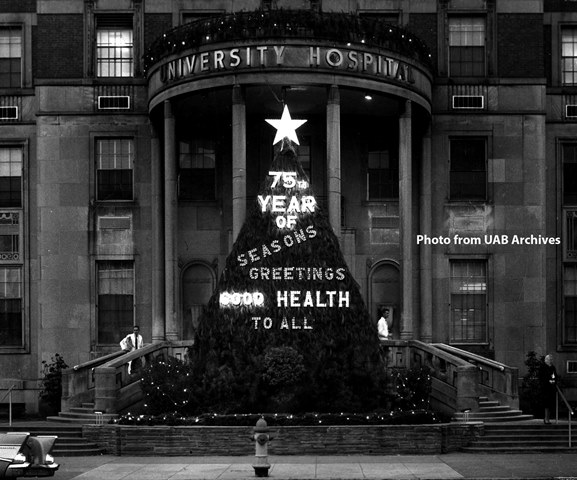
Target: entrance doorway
385,292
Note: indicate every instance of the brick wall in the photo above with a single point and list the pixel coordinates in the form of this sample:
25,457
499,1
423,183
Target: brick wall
13,6
330,440
154,26
59,46
520,45
424,26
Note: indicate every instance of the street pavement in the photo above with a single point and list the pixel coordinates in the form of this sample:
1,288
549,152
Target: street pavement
456,465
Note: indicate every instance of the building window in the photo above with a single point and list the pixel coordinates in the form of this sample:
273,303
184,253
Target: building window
10,57
114,46
115,300
11,329
197,175
382,175
569,56
115,168
468,171
570,303
10,177
468,301
569,159
466,47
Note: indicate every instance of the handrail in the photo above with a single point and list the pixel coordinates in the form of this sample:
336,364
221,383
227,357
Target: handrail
9,393
472,356
98,361
571,412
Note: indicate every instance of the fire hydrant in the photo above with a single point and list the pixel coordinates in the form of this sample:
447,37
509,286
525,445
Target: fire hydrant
261,438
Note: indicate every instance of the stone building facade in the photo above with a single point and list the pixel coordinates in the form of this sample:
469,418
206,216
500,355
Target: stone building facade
132,138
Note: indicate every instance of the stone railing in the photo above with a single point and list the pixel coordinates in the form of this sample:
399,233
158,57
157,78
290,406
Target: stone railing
494,379
106,381
78,382
454,380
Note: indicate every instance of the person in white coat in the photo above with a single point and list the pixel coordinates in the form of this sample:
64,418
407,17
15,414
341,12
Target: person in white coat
133,341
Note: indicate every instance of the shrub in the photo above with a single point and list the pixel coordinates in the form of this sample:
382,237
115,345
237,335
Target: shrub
51,391
166,385
531,395
413,388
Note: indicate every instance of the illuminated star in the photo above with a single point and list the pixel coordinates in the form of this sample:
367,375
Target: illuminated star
286,127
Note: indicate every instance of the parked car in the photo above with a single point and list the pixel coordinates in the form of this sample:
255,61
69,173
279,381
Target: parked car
22,455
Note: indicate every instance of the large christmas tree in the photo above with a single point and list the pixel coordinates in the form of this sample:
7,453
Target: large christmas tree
287,329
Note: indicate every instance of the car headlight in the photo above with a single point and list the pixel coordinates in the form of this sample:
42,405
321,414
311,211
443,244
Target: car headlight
49,458
19,458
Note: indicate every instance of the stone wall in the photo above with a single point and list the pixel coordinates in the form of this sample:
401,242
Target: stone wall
329,440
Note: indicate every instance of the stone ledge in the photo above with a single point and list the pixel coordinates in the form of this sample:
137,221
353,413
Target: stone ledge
317,440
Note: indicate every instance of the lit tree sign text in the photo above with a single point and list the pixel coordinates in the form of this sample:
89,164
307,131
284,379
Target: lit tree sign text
285,57
289,204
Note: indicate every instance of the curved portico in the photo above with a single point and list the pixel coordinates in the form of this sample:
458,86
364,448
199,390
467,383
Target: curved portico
227,74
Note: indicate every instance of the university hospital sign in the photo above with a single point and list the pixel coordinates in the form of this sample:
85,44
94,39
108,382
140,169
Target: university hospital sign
293,57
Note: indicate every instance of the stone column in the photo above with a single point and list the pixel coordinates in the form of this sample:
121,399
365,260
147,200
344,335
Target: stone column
406,213
157,253
170,225
426,251
334,158
238,160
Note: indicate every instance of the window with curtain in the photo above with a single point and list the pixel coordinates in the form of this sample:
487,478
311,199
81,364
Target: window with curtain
569,56
10,57
468,301
115,300
114,46
197,169
10,177
11,328
467,47
114,168
468,171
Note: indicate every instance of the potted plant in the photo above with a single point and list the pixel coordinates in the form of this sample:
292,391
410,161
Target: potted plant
51,381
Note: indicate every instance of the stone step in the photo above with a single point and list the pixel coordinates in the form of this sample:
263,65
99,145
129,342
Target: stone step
69,442
489,403
520,449
533,427
81,418
88,405
82,410
495,408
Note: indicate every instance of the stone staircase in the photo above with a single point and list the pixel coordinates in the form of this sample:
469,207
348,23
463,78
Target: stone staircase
82,415
69,443
527,437
491,411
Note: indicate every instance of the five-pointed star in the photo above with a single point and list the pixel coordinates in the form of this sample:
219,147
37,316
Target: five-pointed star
286,127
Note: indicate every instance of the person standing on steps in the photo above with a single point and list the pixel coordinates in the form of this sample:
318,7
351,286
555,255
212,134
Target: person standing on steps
133,341
549,378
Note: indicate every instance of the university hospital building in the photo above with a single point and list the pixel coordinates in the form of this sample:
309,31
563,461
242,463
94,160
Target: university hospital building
441,140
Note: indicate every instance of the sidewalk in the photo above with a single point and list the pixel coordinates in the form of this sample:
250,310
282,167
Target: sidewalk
406,467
